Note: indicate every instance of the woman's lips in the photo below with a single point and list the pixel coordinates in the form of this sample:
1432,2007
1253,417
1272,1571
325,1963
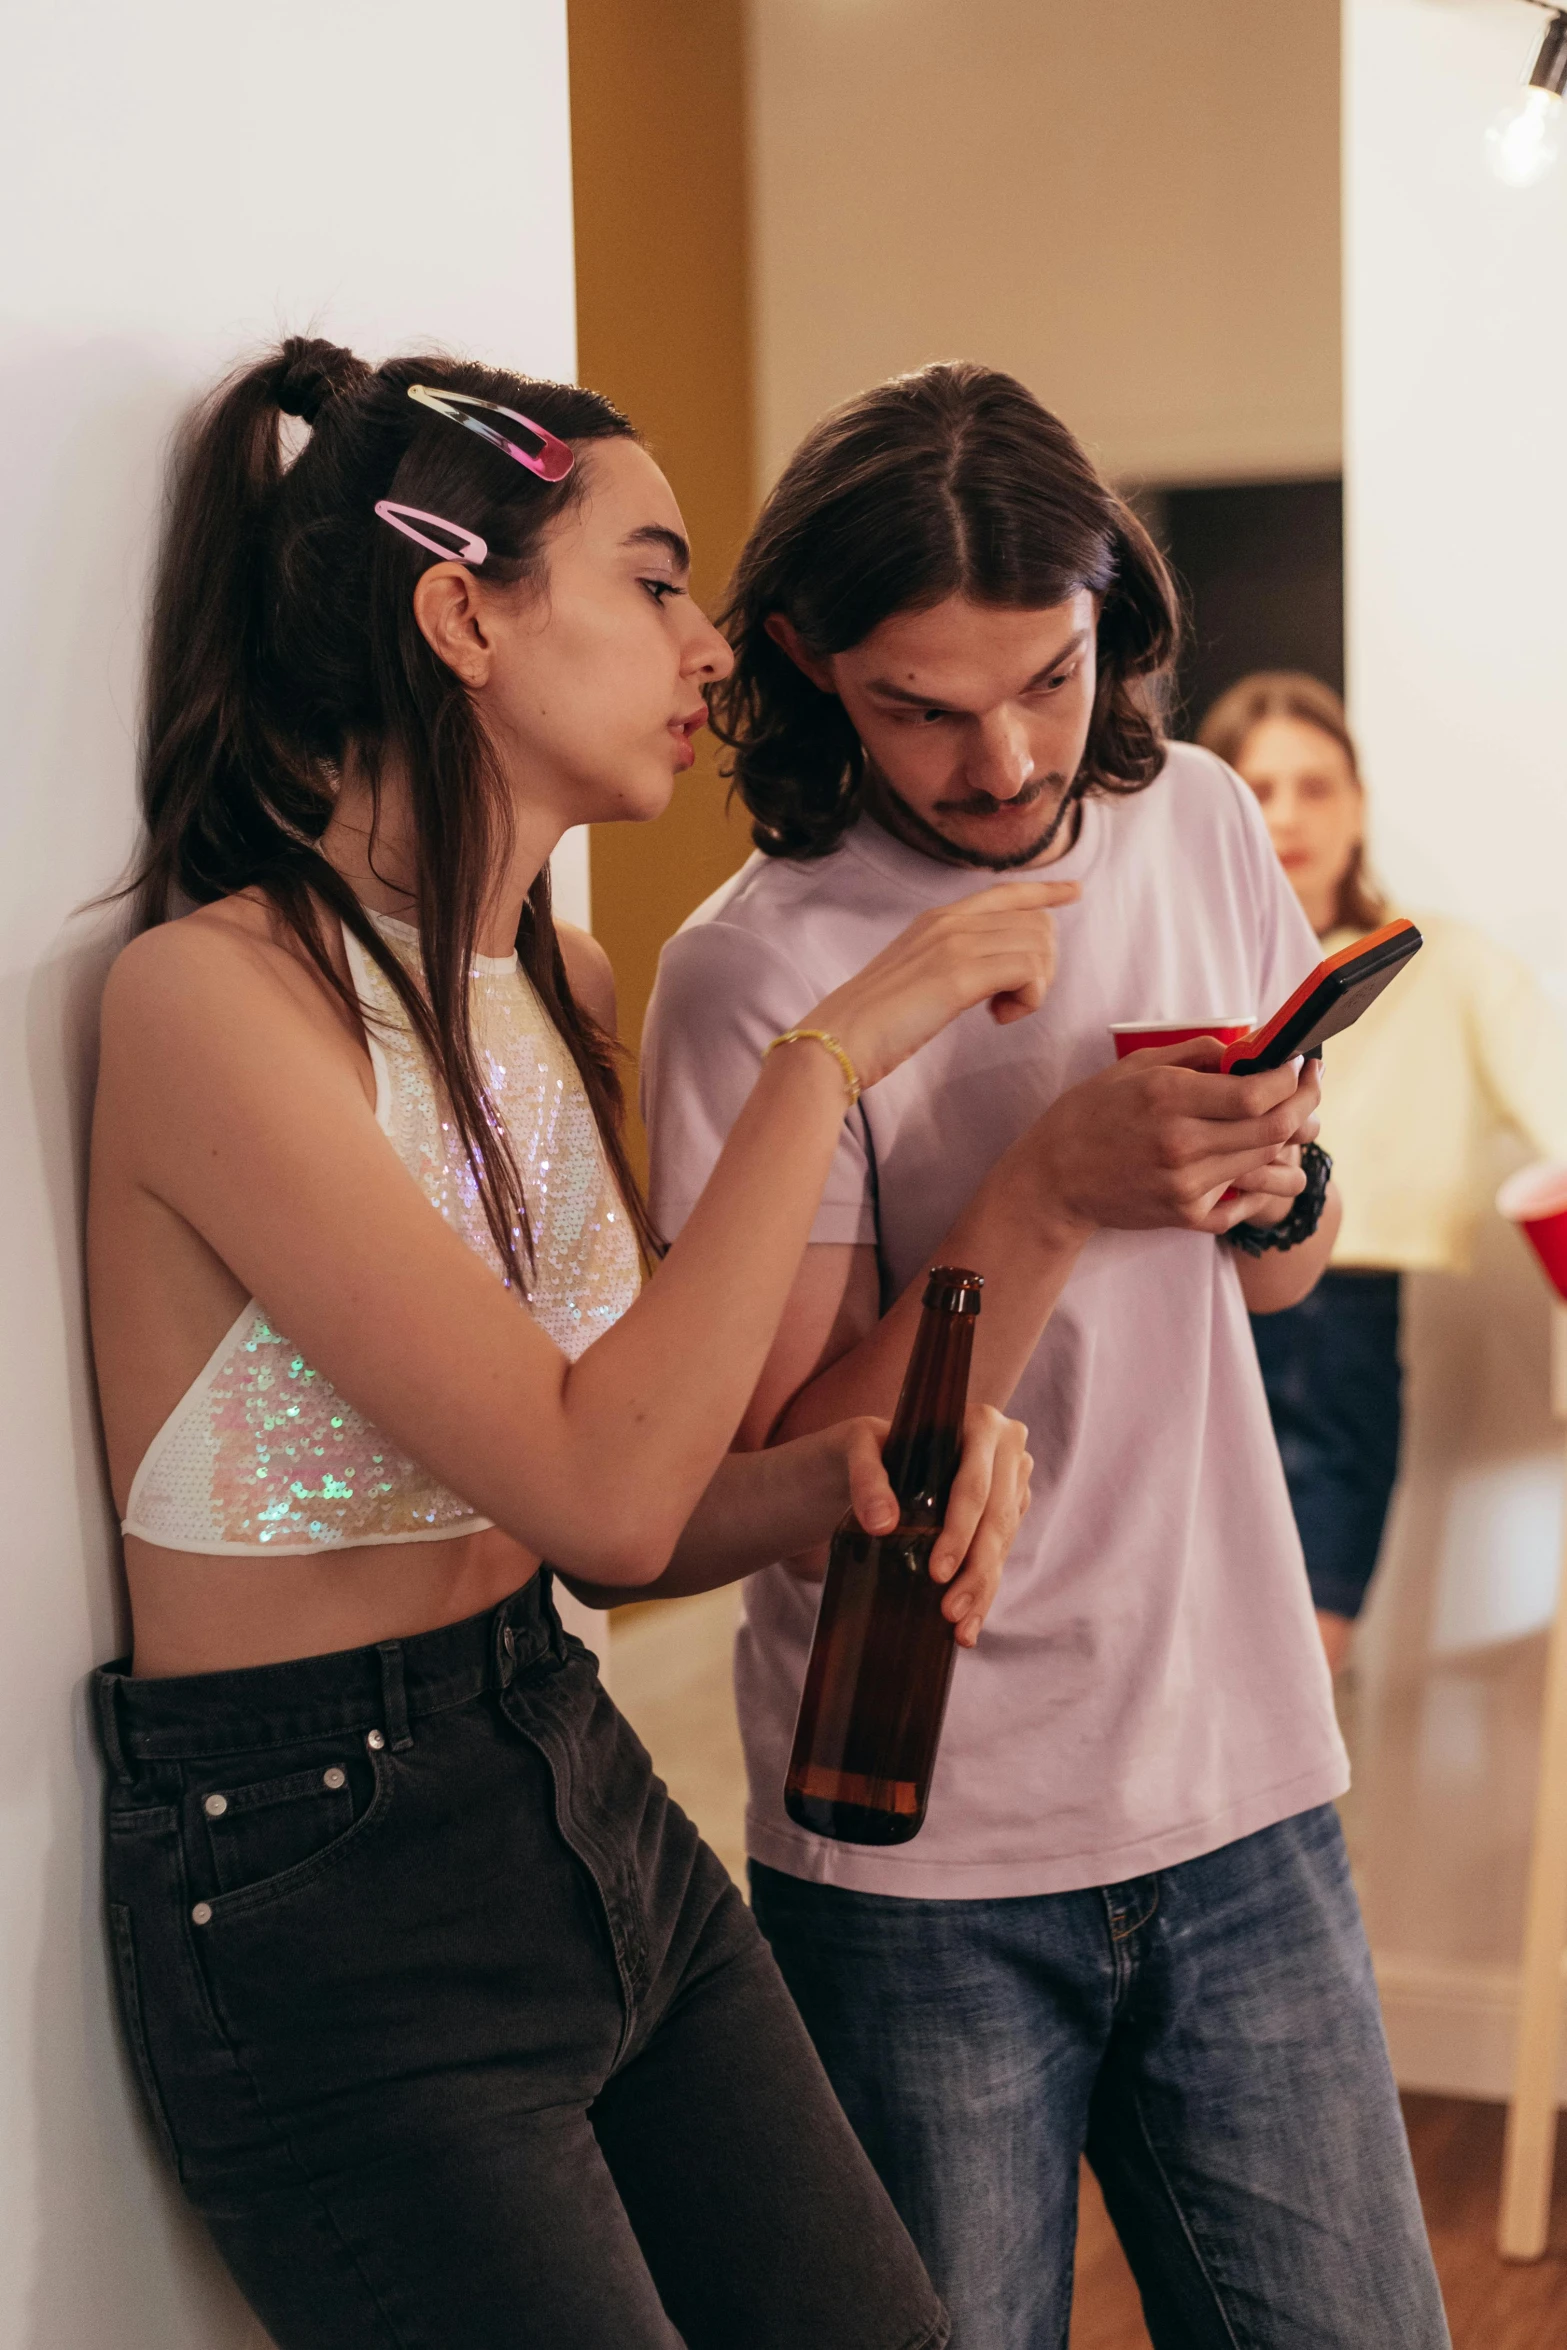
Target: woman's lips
684,730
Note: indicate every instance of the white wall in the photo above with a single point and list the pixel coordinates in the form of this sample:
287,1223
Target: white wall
1456,390
1456,341
180,181
1132,204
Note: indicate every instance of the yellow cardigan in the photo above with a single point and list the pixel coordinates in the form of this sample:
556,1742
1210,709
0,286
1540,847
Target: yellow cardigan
1463,1042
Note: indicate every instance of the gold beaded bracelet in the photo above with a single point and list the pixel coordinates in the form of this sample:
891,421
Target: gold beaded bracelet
821,1036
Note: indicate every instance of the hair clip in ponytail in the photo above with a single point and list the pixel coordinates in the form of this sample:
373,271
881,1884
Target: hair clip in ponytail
552,460
470,548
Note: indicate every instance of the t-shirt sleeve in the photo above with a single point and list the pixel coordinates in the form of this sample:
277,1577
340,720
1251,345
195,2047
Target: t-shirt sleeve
721,995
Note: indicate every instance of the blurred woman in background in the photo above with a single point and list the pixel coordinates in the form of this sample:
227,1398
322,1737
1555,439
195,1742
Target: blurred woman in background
1464,1044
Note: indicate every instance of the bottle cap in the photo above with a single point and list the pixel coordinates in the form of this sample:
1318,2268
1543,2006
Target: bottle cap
953,1291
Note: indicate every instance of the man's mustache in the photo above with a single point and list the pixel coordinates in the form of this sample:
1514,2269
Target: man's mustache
984,804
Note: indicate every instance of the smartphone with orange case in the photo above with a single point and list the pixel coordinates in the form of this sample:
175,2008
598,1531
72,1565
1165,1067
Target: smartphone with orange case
1331,1000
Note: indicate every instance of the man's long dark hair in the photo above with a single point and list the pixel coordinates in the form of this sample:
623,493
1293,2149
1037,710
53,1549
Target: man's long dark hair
950,482
283,643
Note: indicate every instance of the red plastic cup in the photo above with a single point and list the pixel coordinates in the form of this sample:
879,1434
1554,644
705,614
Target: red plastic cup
1536,1199
1135,1036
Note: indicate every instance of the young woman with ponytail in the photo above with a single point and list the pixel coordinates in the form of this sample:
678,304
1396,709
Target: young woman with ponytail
453,2028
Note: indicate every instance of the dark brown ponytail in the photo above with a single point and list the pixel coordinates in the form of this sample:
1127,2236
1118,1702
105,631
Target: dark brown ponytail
283,642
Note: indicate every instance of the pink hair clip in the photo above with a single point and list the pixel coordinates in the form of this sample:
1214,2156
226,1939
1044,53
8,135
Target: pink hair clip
553,461
470,548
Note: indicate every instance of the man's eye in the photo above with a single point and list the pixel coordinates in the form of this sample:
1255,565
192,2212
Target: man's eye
658,589
1053,685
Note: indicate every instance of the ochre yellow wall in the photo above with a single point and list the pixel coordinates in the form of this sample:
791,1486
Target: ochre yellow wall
658,127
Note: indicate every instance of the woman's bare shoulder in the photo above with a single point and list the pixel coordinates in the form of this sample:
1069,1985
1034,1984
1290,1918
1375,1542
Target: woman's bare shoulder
218,979
210,962
590,971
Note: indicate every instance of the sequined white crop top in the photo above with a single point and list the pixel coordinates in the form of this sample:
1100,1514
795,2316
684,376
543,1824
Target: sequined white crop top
261,1454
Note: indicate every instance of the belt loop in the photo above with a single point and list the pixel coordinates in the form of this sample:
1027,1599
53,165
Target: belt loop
557,1638
394,1696
106,1691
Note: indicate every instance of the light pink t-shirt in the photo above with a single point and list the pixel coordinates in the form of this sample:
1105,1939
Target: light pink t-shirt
1150,1684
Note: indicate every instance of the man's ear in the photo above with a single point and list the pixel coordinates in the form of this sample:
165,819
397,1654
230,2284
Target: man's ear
446,610
783,632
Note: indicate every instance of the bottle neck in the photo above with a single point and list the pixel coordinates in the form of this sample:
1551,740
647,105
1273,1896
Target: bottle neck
926,1443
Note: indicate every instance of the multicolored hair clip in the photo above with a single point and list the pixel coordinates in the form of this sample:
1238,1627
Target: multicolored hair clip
553,460
470,548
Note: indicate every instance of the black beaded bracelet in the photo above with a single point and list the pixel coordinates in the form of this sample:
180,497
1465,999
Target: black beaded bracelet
1254,1240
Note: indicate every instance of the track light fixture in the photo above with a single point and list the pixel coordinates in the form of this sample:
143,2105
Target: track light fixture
1522,142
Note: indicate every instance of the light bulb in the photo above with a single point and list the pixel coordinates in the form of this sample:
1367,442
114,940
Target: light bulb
1524,140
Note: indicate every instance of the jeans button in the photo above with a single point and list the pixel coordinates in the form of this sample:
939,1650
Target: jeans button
201,1915
334,1777
215,1806
509,1642
374,1740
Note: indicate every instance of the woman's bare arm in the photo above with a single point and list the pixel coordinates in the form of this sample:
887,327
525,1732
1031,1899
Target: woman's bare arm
238,1106
788,1500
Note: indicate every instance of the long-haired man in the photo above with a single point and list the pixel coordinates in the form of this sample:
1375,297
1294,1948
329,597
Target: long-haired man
1127,1926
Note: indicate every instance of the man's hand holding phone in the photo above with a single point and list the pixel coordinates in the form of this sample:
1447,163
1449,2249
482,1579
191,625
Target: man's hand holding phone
1276,1187
1204,1135
1162,1137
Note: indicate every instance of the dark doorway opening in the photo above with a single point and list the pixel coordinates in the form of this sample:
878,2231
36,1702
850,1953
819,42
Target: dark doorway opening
1261,571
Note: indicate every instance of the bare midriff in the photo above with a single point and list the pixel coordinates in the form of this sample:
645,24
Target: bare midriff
194,1613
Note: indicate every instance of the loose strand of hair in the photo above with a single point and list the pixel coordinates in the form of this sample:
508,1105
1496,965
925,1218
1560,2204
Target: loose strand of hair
595,1053
463,821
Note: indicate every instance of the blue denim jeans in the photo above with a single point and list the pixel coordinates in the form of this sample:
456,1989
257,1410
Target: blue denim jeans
1331,1370
1209,2036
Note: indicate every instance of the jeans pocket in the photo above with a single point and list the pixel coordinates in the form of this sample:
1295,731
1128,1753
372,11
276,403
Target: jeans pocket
265,1826
122,1936
265,1838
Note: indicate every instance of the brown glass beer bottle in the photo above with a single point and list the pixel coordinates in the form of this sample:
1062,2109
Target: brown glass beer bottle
881,1662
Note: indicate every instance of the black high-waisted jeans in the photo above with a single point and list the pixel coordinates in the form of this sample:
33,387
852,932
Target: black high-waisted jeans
457,2034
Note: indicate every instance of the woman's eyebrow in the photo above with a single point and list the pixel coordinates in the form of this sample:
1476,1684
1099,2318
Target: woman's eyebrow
654,534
